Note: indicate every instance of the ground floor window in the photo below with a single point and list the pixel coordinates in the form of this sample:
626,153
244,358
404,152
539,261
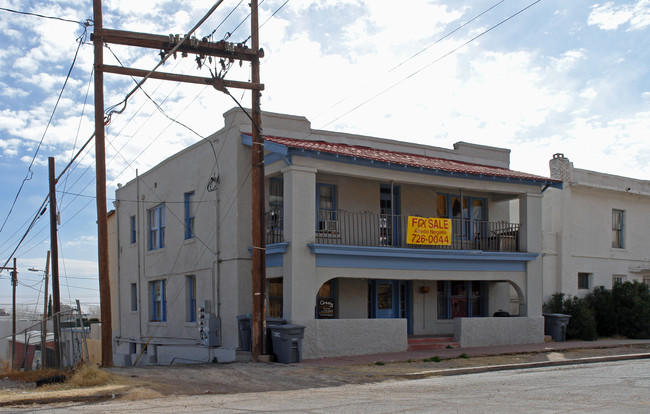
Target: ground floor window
326,301
274,309
461,299
158,301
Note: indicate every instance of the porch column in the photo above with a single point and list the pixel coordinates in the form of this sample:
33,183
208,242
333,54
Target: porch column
530,240
299,224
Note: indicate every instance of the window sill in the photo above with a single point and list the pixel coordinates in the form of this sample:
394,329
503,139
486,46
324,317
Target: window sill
191,240
158,323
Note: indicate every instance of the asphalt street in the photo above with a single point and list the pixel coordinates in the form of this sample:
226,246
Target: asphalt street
620,387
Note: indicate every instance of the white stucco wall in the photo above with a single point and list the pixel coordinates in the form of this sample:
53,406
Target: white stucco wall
578,229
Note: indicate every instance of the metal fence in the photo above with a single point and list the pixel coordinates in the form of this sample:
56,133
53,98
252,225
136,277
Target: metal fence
384,230
372,229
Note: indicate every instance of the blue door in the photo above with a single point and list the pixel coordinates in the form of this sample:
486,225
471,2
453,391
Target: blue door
390,299
385,300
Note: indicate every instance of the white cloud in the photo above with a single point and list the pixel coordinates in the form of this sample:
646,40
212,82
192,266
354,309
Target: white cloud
611,16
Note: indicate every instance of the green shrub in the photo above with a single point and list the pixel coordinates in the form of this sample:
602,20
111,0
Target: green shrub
582,324
601,302
632,306
555,304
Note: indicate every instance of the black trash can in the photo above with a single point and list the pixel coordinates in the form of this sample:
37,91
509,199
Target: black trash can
555,325
244,324
287,342
245,335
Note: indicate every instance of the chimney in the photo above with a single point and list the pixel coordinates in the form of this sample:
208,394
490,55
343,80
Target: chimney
560,167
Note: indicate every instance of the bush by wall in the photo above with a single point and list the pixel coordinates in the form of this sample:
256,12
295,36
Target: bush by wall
623,310
582,324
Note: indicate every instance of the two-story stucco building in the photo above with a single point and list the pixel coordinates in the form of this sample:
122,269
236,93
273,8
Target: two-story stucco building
337,256
595,230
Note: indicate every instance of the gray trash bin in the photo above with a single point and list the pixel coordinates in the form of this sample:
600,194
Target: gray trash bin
555,325
287,342
244,324
245,335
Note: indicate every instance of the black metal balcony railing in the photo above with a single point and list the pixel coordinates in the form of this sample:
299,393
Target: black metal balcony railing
381,230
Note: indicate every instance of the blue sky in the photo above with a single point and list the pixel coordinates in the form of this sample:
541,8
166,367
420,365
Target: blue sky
559,76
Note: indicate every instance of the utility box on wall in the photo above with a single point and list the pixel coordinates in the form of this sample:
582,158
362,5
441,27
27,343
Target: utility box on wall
208,326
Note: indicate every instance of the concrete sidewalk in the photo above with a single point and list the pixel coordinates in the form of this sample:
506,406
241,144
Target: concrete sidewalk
475,352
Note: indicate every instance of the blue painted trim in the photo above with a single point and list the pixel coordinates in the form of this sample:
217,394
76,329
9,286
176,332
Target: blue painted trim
268,145
274,254
418,259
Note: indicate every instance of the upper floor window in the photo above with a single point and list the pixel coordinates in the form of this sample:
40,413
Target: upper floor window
189,215
584,280
157,227
326,203
618,279
132,229
276,202
618,221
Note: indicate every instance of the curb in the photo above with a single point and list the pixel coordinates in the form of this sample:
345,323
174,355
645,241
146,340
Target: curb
61,399
525,365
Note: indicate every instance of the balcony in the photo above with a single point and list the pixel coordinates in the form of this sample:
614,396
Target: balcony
381,230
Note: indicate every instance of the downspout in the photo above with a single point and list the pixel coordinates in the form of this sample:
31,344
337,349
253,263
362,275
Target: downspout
462,221
116,203
139,238
216,294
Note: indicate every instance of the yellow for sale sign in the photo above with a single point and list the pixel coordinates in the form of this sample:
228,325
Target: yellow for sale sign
430,231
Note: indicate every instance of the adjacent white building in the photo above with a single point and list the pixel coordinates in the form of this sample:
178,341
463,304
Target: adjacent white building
596,230
338,258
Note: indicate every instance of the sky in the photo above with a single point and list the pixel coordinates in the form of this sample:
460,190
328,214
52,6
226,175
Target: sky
536,77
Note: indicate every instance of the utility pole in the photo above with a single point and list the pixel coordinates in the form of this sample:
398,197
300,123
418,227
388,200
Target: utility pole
185,45
44,327
54,247
258,326
14,283
100,181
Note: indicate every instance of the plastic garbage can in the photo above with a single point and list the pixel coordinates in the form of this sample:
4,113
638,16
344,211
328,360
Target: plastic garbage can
287,342
555,325
244,324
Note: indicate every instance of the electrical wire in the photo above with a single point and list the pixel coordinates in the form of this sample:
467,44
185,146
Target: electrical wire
431,64
86,23
30,173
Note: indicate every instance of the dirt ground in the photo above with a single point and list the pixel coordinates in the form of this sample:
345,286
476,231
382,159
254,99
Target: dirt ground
158,381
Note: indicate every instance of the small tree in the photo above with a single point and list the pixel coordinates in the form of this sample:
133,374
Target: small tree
632,304
601,302
582,324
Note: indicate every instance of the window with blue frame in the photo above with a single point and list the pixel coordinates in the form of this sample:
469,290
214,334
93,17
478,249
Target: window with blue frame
158,301
326,207
189,215
134,297
157,227
468,215
276,203
132,229
191,298
461,299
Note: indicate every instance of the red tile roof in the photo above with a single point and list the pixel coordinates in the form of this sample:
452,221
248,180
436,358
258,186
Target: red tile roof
403,158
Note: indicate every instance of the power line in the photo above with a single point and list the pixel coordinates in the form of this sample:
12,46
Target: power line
432,63
87,23
30,173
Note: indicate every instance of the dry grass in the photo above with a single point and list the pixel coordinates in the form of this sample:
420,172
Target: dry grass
81,377
25,376
89,376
